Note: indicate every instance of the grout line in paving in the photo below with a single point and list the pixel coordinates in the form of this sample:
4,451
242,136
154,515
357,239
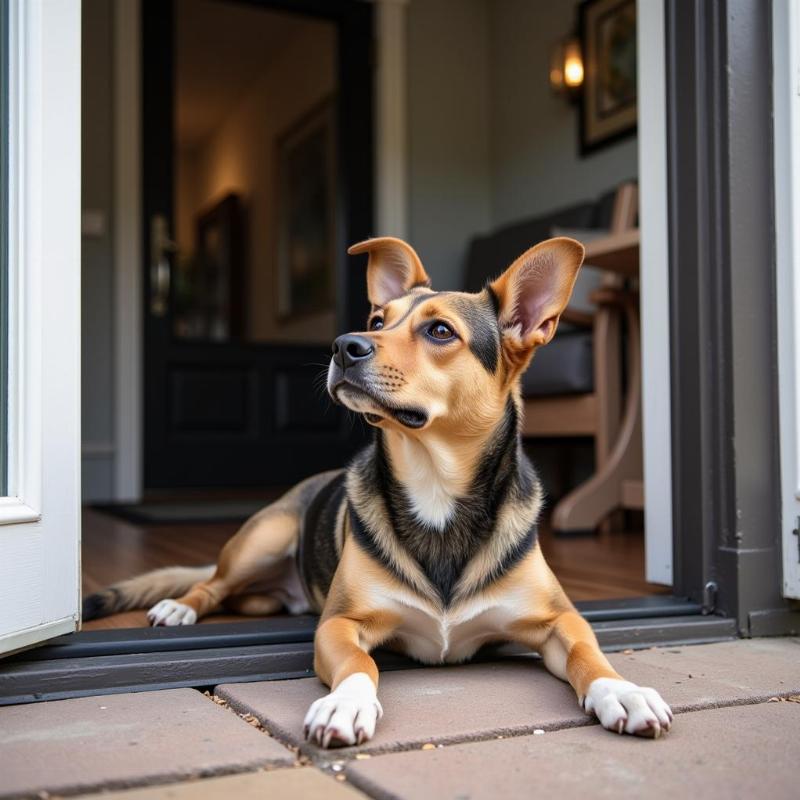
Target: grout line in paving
163,781
143,782
255,722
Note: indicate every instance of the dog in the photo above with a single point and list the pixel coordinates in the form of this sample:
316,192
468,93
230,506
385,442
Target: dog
427,542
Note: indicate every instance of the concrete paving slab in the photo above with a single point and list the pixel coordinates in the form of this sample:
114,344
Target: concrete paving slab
454,704
120,740
282,784
440,704
719,754
704,676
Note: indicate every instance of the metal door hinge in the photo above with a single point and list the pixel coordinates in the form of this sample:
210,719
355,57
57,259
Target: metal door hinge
796,532
710,597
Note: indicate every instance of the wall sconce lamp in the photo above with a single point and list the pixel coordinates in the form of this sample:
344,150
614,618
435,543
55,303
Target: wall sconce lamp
566,68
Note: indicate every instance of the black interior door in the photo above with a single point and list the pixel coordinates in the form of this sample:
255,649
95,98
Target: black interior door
222,408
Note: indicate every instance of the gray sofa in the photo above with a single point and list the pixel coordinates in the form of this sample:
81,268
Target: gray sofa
565,365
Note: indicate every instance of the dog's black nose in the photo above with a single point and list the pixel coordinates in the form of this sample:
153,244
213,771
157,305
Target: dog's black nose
351,348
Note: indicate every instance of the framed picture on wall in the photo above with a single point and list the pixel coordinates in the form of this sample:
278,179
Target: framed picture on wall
608,103
209,287
306,214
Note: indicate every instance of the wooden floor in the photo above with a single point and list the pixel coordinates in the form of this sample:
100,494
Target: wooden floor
589,567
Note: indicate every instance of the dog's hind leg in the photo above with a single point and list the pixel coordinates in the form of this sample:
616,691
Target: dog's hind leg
254,605
263,542
263,546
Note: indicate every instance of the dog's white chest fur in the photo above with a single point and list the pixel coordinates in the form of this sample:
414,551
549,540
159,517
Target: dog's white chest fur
432,480
451,636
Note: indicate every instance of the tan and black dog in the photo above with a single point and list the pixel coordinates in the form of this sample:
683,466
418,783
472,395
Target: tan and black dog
427,542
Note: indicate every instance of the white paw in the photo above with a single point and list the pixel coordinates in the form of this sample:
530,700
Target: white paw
346,716
624,707
171,612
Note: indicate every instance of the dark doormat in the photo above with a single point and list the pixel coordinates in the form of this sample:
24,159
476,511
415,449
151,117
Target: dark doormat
185,511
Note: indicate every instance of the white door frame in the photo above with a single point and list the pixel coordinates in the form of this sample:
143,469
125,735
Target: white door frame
786,103
654,290
40,517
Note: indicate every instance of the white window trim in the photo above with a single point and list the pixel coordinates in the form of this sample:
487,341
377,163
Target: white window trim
40,534
786,103
24,500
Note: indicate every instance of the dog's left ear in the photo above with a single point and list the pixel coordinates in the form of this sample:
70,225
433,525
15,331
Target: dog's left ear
533,293
393,268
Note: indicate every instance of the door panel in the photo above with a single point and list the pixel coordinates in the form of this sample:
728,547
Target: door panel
40,260
257,174
213,400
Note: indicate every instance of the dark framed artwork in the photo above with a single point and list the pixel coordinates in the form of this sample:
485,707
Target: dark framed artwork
608,102
306,214
209,292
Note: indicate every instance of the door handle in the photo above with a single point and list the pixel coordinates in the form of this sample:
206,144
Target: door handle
161,246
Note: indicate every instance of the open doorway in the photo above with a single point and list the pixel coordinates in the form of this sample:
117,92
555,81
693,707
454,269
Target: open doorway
236,321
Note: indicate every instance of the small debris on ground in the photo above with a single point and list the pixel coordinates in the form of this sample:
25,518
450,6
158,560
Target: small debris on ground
627,652
538,732
362,756
792,698
216,699
428,746
250,719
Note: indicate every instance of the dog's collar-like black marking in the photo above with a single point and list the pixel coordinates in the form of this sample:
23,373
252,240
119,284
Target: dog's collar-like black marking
443,555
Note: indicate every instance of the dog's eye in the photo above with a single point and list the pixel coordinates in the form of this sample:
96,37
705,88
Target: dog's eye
440,331
375,324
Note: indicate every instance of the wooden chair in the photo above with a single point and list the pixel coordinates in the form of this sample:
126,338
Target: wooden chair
616,482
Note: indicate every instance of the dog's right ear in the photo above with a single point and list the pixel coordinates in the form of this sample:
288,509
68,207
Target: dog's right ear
532,294
393,269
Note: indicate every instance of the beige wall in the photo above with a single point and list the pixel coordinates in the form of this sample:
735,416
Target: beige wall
240,157
536,166
489,143
449,128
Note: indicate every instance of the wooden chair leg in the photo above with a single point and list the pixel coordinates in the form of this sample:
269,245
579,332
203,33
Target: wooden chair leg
607,387
585,507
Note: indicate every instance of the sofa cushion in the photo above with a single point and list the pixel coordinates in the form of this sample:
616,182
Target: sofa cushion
489,255
562,367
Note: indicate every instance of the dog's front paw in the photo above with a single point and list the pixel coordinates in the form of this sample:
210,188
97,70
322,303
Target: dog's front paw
624,707
346,716
171,612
